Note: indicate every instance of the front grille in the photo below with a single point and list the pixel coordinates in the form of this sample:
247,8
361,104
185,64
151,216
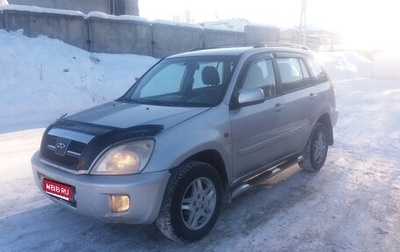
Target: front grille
69,160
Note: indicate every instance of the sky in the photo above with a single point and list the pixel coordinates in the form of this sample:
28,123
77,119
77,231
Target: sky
366,23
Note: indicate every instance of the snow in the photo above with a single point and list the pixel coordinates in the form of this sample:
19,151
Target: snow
350,205
346,65
113,17
235,24
180,24
29,8
387,65
39,81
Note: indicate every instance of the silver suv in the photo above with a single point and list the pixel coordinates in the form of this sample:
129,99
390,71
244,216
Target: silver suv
194,131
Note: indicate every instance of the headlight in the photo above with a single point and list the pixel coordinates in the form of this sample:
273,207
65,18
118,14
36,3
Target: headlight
126,158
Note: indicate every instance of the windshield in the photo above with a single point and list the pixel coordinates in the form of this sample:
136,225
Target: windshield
184,82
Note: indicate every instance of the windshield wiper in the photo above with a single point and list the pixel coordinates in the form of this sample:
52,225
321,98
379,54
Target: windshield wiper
158,102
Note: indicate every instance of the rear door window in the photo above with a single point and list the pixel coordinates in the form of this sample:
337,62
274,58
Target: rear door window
293,74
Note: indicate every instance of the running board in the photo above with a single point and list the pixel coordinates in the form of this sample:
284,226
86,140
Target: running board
259,178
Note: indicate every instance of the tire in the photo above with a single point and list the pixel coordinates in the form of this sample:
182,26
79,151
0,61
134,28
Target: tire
315,153
191,203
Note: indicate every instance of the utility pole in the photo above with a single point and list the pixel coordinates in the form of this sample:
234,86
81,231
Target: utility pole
303,22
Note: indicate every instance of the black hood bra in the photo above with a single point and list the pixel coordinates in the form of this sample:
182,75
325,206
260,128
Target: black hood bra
76,155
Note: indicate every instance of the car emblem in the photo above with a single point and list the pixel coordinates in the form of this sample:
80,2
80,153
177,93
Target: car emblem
62,146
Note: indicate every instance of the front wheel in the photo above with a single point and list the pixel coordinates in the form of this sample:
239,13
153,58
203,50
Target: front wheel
315,153
191,203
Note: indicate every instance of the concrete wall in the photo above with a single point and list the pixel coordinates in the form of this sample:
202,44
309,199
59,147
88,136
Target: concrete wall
119,36
215,38
84,6
172,38
98,32
257,34
116,7
70,28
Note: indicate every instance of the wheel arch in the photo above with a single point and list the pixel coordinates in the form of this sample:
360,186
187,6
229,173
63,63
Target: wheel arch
214,158
326,120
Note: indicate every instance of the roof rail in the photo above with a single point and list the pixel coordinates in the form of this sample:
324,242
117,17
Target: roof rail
254,45
280,44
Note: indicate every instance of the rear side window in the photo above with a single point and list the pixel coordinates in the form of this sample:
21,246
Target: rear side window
293,74
318,74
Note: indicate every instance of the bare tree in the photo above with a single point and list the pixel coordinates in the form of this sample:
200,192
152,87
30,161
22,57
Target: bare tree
186,17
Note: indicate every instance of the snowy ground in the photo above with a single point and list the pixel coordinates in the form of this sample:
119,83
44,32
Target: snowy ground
352,204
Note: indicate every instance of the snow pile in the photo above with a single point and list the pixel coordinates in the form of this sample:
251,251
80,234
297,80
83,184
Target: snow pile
387,65
3,2
346,65
42,76
103,15
37,9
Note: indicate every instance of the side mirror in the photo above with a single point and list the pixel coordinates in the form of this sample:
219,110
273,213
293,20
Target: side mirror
250,96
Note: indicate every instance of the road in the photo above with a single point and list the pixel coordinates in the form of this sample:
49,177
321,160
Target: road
352,204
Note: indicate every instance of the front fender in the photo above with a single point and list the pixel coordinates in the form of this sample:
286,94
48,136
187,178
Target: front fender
208,131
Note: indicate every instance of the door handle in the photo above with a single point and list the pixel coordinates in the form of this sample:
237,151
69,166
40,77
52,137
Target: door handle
278,107
313,96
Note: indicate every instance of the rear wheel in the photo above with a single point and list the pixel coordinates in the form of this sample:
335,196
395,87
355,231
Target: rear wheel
314,155
191,203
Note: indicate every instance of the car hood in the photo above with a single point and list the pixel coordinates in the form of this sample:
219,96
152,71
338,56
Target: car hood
126,115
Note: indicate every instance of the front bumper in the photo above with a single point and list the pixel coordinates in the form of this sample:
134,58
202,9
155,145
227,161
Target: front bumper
91,192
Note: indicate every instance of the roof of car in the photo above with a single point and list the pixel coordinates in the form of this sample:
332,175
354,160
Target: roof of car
231,51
